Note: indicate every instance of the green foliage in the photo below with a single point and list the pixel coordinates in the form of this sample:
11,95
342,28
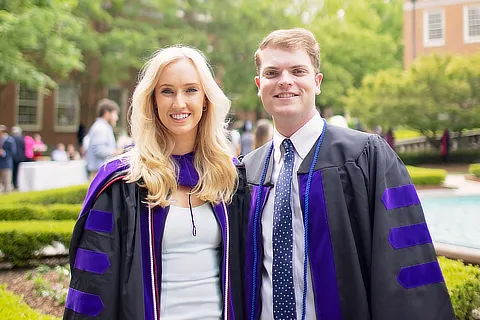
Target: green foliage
68,195
474,169
425,176
432,157
38,42
436,92
463,283
39,212
12,307
20,240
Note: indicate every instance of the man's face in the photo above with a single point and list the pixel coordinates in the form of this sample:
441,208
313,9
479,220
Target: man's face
287,84
112,118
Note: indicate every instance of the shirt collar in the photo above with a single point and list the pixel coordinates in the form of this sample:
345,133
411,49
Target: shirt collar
303,139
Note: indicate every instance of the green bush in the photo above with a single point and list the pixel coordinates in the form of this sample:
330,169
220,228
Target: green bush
69,195
20,239
463,283
38,212
425,176
13,308
433,157
474,169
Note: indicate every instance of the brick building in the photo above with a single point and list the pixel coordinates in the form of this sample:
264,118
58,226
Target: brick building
441,26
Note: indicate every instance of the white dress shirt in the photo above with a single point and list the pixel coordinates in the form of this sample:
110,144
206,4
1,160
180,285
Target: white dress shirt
303,141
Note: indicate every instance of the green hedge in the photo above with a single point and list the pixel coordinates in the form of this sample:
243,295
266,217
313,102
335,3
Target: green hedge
38,212
20,239
433,157
425,176
463,283
474,169
13,308
69,195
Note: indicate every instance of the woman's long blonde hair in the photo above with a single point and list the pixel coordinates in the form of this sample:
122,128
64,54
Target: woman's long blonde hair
150,161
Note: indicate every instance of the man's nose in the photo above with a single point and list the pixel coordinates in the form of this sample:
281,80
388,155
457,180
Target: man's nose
285,78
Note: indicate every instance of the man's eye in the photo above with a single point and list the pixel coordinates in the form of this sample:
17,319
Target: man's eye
299,71
270,73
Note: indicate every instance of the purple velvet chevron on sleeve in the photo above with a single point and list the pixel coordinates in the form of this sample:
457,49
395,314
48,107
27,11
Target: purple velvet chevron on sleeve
91,261
399,197
420,275
84,303
100,221
409,236
103,175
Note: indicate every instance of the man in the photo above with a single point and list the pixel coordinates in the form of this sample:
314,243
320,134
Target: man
7,152
102,143
334,228
19,157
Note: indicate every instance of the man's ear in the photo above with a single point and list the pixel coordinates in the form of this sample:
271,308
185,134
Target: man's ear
318,82
257,83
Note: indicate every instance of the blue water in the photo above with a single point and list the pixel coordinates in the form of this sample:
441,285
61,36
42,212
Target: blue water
454,220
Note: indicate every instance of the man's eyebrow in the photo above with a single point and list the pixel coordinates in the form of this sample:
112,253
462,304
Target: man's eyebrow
299,66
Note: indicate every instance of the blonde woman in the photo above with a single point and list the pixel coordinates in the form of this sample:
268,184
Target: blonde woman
153,239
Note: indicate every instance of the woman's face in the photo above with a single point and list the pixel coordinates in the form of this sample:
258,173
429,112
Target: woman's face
180,98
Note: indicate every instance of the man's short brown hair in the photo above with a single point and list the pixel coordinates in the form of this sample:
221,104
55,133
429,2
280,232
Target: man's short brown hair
291,39
106,105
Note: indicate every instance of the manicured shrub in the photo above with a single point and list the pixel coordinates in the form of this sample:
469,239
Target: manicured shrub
69,195
433,157
474,169
463,283
13,308
425,176
39,212
20,239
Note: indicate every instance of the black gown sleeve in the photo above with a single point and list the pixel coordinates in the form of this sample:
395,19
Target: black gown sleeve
405,278
95,259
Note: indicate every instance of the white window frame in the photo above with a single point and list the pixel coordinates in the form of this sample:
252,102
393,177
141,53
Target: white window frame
122,122
466,37
436,42
67,128
29,127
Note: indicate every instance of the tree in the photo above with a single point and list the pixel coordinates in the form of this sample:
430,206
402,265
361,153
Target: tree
38,42
436,92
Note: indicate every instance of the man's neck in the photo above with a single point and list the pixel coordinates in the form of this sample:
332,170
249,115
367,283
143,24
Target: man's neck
287,127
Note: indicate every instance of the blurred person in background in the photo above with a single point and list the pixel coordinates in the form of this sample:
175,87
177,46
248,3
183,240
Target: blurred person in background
263,133
7,153
38,146
246,142
19,155
59,154
72,153
101,139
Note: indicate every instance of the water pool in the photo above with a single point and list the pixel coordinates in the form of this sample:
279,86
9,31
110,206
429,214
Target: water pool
453,220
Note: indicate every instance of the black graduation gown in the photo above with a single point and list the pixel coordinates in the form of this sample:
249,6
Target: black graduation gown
115,254
369,248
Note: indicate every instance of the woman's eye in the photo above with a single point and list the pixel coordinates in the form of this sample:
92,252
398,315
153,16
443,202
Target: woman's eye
191,90
167,91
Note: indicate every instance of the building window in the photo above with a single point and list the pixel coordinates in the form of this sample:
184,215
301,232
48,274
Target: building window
471,24
29,108
67,108
119,95
433,28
